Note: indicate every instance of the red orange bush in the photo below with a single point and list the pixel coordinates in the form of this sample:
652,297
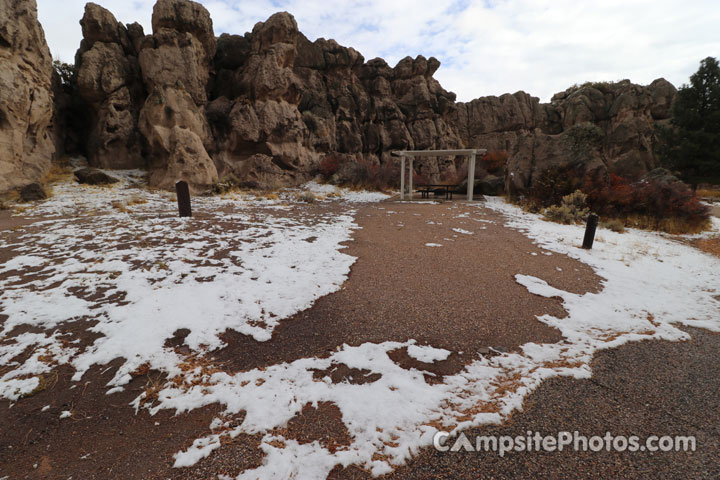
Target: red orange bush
494,161
659,202
329,166
657,198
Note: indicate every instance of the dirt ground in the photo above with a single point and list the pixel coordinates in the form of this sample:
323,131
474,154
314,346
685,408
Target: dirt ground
461,296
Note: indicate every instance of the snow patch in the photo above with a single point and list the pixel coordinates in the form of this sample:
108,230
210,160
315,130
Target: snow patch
427,354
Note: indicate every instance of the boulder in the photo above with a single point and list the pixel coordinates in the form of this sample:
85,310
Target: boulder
93,176
26,99
491,185
186,160
32,192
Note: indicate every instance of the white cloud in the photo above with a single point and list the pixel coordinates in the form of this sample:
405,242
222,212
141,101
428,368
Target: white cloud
486,47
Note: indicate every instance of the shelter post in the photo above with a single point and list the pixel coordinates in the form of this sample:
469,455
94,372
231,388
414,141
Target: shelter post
410,179
471,178
402,177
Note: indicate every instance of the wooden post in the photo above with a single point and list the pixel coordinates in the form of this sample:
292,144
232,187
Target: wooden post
592,223
402,177
410,179
183,198
471,178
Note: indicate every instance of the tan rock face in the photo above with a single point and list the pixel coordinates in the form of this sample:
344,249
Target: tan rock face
267,106
282,96
108,82
187,160
618,118
26,104
175,63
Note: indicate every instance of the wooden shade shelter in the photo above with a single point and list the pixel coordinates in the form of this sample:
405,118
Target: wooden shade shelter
411,154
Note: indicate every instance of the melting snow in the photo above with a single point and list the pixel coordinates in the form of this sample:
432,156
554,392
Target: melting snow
427,354
264,268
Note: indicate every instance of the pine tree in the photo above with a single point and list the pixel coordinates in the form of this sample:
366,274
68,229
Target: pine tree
691,144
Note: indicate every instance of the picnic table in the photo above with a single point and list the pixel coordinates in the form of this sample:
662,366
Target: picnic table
437,188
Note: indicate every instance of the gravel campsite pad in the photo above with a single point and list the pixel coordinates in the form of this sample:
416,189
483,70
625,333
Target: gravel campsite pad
268,337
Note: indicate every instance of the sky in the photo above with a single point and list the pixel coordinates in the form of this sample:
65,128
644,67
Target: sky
486,47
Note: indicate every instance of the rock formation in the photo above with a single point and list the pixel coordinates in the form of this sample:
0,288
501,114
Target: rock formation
108,82
176,61
265,108
282,103
26,104
600,125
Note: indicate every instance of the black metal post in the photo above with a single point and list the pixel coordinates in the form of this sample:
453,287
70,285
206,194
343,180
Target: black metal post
592,223
183,198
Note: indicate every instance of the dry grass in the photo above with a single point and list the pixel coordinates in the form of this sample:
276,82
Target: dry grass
123,205
508,384
119,206
672,225
44,382
135,200
614,224
56,174
709,245
707,193
20,209
306,196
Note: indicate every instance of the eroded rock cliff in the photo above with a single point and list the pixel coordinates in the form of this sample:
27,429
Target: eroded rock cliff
266,107
26,102
596,125
108,81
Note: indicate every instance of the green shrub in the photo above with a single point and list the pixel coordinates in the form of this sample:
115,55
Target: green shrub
614,224
572,209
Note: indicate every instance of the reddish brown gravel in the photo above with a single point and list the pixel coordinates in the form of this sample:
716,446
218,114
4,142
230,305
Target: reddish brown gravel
676,393
461,296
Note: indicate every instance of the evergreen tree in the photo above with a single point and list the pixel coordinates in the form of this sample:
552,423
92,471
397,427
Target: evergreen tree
691,144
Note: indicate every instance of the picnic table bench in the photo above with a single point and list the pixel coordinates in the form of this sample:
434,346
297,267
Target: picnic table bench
426,189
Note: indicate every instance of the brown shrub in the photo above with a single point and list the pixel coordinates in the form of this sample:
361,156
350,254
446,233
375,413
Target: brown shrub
553,184
655,203
329,165
494,161
364,174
